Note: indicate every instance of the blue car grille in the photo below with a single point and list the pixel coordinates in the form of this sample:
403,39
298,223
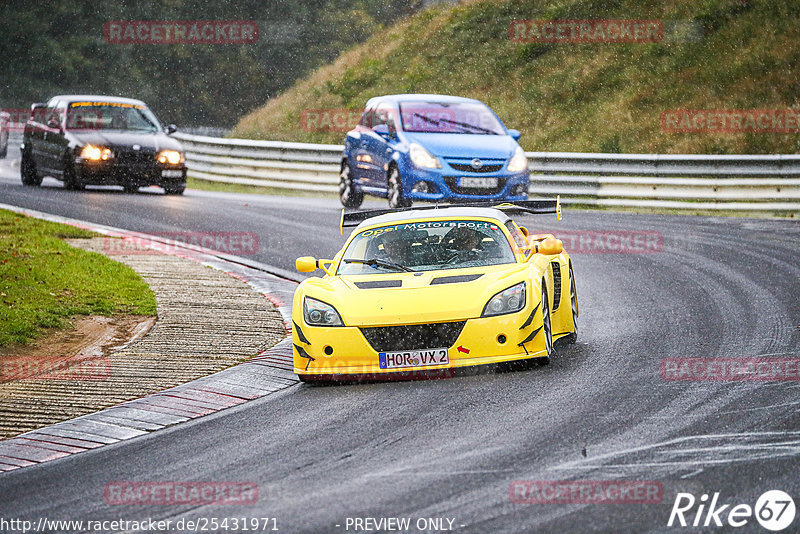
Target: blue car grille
465,167
465,164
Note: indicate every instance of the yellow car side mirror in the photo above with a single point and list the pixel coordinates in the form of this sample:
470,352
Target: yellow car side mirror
306,264
550,246
524,231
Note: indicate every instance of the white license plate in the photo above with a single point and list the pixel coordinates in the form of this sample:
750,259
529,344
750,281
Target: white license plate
171,173
413,358
477,181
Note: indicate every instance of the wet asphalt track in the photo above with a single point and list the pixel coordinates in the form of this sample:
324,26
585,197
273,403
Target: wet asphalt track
451,448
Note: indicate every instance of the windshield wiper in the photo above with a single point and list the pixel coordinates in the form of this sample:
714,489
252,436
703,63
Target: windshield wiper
468,125
427,119
380,263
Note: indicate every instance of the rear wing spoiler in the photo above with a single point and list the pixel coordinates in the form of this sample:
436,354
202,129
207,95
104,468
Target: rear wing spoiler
536,207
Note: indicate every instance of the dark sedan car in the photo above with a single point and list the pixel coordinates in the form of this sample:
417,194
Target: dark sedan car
4,129
100,140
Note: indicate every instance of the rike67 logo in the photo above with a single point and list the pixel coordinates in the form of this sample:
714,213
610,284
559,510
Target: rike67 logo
774,510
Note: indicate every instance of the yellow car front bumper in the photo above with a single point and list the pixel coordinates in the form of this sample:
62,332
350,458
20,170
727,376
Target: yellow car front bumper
327,352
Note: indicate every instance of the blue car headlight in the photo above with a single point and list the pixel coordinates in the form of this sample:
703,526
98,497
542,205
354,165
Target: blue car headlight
507,301
318,313
422,158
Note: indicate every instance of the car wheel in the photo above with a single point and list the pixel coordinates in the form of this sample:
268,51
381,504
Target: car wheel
71,180
174,189
27,171
130,188
548,331
348,196
573,298
395,190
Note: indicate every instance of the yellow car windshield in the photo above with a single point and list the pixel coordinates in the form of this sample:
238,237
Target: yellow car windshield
427,246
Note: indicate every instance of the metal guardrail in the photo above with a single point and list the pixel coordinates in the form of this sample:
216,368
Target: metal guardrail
769,183
296,166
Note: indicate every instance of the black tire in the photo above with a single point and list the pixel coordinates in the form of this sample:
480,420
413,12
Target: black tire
546,326
573,298
395,190
27,171
71,180
130,188
348,195
174,189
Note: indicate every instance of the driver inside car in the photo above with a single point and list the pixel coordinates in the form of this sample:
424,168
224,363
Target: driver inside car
464,242
396,249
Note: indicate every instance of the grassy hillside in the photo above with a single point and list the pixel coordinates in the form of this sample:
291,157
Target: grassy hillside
607,97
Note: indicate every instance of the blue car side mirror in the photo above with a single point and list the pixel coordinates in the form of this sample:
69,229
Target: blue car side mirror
383,131
515,134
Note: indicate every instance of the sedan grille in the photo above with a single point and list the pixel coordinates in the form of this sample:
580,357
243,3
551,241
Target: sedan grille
413,337
135,158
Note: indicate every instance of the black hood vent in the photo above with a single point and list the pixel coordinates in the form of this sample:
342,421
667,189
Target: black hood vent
378,284
455,279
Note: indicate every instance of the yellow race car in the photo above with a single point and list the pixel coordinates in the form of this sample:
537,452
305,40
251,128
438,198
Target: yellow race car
423,292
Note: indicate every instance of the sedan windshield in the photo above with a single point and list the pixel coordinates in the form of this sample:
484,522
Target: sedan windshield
446,117
110,116
427,246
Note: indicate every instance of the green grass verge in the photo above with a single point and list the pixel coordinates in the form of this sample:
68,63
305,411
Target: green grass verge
44,281
595,97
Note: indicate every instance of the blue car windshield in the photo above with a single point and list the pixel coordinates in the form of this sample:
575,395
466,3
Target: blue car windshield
427,246
452,118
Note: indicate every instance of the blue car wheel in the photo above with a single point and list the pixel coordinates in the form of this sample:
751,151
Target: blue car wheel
348,195
395,190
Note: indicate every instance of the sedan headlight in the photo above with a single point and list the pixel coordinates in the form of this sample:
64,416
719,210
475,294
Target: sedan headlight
172,157
422,158
95,153
318,313
519,162
508,301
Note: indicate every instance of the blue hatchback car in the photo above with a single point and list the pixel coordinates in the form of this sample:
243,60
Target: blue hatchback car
431,148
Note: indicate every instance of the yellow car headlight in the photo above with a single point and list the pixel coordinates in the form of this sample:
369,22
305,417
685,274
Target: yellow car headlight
508,301
519,162
171,157
318,313
95,153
